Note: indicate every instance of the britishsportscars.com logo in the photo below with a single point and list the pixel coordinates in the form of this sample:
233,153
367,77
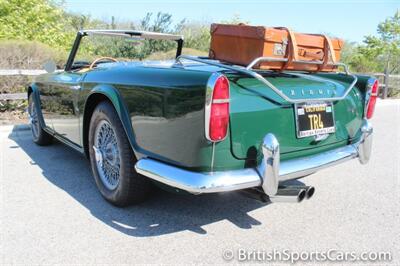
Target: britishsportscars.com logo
286,255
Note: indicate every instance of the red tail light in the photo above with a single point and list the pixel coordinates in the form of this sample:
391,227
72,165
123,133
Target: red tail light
372,99
217,108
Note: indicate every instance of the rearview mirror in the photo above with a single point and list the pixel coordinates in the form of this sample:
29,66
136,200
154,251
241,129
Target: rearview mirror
50,66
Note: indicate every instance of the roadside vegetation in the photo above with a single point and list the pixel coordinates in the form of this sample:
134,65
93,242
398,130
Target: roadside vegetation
33,32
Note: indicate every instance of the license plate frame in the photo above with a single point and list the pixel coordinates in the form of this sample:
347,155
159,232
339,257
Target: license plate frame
305,123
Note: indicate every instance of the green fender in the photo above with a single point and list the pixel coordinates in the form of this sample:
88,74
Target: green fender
36,97
115,98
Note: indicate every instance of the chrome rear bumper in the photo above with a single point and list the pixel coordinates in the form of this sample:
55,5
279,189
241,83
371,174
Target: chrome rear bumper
267,175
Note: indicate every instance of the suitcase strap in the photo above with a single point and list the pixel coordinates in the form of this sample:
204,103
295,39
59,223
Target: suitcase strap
293,51
328,52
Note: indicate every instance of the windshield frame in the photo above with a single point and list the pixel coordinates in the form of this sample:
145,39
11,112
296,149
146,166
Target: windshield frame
145,35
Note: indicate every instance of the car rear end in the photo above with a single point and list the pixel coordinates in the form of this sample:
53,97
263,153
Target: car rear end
269,127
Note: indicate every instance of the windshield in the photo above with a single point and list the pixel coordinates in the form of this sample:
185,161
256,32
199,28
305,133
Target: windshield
95,49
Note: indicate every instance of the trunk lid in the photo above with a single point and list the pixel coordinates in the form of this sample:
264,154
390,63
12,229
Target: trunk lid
256,110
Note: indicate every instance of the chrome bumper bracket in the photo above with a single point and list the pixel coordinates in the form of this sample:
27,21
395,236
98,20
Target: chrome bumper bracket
270,165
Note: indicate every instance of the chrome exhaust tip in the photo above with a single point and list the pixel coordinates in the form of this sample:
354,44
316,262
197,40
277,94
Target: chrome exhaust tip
310,192
289,194
295,194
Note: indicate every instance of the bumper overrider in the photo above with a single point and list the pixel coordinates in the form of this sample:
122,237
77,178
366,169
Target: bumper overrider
265,179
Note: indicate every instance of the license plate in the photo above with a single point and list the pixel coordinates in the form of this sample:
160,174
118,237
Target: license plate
314,119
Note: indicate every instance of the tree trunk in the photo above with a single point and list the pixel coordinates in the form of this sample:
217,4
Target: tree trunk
386,79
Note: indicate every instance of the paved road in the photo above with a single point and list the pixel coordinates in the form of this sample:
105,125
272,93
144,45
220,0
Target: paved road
51,211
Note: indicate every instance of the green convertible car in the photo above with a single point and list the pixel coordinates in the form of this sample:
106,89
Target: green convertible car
198,125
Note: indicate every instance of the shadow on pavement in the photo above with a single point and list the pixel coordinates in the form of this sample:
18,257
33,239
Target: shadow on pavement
163,213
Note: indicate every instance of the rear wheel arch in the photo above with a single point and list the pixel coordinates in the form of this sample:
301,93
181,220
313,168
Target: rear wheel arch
112,96
30,90
39,135
36,97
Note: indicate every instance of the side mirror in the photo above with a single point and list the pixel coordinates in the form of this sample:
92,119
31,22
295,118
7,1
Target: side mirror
50,66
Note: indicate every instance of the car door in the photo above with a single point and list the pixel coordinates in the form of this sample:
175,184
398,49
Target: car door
65,88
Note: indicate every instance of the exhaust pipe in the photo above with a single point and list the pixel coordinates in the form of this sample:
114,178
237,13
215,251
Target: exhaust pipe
284,194
289,194
310,190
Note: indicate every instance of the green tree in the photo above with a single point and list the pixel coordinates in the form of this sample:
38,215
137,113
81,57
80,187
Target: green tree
197,35
79,21
386,45
38,20
76,22
380,53
161,23
358,59
236,19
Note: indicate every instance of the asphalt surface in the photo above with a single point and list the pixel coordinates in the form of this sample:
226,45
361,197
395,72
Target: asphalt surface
51,211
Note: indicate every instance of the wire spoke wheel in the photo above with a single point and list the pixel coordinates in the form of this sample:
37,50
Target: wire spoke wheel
107,154
113,160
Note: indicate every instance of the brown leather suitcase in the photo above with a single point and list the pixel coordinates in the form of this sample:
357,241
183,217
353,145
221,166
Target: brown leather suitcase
241,44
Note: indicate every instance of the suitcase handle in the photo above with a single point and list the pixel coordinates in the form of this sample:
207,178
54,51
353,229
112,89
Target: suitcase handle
293,51
317,55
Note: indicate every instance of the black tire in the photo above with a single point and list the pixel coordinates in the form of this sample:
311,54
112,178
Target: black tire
131,187
39,136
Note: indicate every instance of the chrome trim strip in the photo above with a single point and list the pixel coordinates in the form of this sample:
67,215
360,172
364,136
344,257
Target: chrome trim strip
265,175
220,101
370,83
65,141
269,84
274,59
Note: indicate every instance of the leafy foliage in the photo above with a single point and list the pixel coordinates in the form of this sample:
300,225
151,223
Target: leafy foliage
34,20
46,22
161,23
378,53
197,36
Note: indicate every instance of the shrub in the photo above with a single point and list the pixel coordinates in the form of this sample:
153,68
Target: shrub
17,54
